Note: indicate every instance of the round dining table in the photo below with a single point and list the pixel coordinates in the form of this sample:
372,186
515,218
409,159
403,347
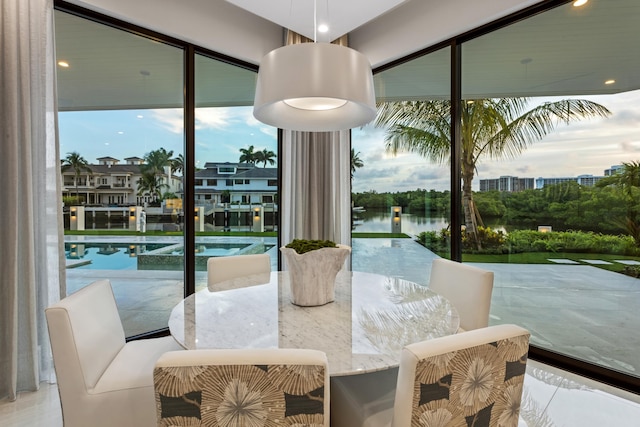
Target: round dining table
362,330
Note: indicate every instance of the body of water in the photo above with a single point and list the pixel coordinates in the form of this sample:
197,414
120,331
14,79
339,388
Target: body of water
380,222
375,221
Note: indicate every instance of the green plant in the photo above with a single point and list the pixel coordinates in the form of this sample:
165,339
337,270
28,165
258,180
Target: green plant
302,246
72,200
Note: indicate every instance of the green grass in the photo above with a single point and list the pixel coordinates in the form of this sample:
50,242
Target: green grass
543,258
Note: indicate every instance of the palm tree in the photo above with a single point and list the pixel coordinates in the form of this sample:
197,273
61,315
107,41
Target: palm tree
248,155
150,184
356,162
156,160
79,164
490,128
628,180
154,164
177,163
265,156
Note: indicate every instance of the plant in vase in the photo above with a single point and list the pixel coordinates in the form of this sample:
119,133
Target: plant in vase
313,266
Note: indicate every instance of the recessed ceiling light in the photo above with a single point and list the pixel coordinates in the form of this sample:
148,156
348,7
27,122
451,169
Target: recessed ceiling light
63,64
323,28
140,116
579,3
609,82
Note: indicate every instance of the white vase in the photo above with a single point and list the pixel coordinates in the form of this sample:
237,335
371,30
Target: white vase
312,275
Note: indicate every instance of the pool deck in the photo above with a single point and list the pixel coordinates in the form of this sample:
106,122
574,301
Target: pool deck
580,310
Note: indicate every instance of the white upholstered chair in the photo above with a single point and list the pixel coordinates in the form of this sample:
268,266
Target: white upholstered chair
102,380
449,381
242,387
221,269
467,288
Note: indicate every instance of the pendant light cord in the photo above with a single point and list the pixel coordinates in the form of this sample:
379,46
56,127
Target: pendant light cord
315,21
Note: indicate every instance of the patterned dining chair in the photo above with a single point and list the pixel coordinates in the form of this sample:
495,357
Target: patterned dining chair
242,387
473,378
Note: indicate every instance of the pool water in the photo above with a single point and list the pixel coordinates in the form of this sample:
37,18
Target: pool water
111,256
163,256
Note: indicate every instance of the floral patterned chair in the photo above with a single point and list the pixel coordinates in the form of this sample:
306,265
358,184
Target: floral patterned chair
473,378
242,388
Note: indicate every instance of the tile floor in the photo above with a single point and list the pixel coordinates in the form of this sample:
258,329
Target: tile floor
552,398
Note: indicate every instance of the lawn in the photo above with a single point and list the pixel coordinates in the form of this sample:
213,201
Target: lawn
543,258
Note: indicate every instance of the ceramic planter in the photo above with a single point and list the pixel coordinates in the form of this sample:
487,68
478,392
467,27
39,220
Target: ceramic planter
312,275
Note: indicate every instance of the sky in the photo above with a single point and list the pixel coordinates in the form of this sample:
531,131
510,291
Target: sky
580,148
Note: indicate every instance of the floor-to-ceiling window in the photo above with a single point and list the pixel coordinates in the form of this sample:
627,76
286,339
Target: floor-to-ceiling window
400,182
121,143
549,194
236,164
550,110
127,155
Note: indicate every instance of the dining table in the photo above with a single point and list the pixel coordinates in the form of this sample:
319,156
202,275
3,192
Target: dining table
363,330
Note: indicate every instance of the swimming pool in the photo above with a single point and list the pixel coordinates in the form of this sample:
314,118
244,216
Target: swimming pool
149,256
106,256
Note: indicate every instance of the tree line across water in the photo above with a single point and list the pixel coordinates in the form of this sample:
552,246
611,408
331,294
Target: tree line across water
611,207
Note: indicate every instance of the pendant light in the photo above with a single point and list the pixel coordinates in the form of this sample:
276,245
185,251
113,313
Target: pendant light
314,87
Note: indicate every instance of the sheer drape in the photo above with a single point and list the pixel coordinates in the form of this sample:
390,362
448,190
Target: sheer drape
316,180
31,265
316,193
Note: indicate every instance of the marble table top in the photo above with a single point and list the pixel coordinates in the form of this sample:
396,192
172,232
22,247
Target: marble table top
363,330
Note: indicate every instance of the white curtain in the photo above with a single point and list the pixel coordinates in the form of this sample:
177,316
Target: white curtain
31,266
316,192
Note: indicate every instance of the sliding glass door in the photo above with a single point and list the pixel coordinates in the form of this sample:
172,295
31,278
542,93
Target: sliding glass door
121,142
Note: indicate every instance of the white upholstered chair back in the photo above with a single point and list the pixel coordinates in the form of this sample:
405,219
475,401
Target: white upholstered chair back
102,380
221,269
86,335
468,288
475,375
242,387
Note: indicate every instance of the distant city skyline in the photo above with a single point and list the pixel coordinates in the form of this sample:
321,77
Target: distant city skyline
587,147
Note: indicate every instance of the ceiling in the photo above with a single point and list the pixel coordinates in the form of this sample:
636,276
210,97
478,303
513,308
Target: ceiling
567,51
340,16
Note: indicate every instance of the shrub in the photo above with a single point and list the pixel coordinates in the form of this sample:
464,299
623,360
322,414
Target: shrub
437,242
519,241
492,241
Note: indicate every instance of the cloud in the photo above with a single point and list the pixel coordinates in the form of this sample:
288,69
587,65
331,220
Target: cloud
368,173
625,117
429,174
215,118
375,155
170,118
630,146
